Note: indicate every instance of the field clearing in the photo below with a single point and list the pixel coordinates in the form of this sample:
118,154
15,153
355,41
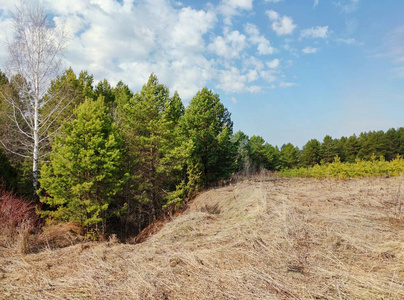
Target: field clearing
264,238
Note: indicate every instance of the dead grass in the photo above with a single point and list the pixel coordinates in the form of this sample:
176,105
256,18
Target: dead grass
259,239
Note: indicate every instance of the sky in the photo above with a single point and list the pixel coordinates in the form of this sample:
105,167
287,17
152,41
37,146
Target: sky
287,70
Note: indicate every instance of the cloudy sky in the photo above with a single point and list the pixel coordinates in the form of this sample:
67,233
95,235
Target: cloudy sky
288,70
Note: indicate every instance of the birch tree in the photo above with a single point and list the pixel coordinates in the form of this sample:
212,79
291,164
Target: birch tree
34,59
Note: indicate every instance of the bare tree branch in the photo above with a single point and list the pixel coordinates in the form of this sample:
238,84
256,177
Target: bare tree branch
35,56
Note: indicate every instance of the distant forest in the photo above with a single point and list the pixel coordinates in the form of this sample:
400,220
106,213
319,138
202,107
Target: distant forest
115,160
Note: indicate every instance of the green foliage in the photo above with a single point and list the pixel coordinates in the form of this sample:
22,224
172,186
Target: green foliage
243,161
360,168
262,155
105,90
83,174
310,154
207,124
289,156
155,158
65,93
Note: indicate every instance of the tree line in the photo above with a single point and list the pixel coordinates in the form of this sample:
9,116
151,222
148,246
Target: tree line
254,153
125,158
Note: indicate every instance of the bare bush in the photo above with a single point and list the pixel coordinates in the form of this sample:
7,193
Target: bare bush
17,219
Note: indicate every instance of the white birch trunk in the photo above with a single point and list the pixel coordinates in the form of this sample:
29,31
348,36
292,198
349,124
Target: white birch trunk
35,55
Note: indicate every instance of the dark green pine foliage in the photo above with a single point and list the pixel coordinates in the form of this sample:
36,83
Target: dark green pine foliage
328,149
310,154
351,148
392,143
149,121
104,89
83,175
372,143
258,156
289,156
273,154
263,155
400,141
243,161
207,128
65,94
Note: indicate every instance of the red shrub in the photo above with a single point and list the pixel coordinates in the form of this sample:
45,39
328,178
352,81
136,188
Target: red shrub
15,214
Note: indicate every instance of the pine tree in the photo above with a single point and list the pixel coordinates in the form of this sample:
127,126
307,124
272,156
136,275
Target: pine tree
149,124
289,156
207,126
243,160
84,174
310,155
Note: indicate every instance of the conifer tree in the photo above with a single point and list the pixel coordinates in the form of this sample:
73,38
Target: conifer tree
311,153
289,156
84,170
243,159
207,125
149,120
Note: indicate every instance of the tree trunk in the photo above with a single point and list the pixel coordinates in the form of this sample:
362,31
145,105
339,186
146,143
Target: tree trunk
36,148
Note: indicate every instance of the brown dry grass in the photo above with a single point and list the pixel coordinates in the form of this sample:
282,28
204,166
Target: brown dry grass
260,239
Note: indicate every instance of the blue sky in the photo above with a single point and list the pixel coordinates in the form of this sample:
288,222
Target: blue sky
288,70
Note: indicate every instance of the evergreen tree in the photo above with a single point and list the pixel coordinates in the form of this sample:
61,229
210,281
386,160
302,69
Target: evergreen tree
400,141
262,155
243,161
273,157
104,89
65,93
391,144
310,155
328,149
352,148
371,143
289,156
257,153
83,174
207,126
149,124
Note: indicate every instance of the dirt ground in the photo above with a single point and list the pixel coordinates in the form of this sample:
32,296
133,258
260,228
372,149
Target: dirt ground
263,238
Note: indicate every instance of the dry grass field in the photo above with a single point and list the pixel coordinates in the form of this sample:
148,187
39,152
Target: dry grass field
263,238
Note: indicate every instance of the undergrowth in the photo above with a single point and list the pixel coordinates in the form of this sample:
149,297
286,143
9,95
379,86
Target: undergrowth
17,219
360,168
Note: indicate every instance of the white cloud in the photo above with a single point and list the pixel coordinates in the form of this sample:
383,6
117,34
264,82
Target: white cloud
233,100
281,25
252,75
253,62
263,45
309,50
273,64
230,8
315,32
286,84
315,3
135,39
127,40
350,41
272,15
347,6
273,1
229,46
269,76
233,81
